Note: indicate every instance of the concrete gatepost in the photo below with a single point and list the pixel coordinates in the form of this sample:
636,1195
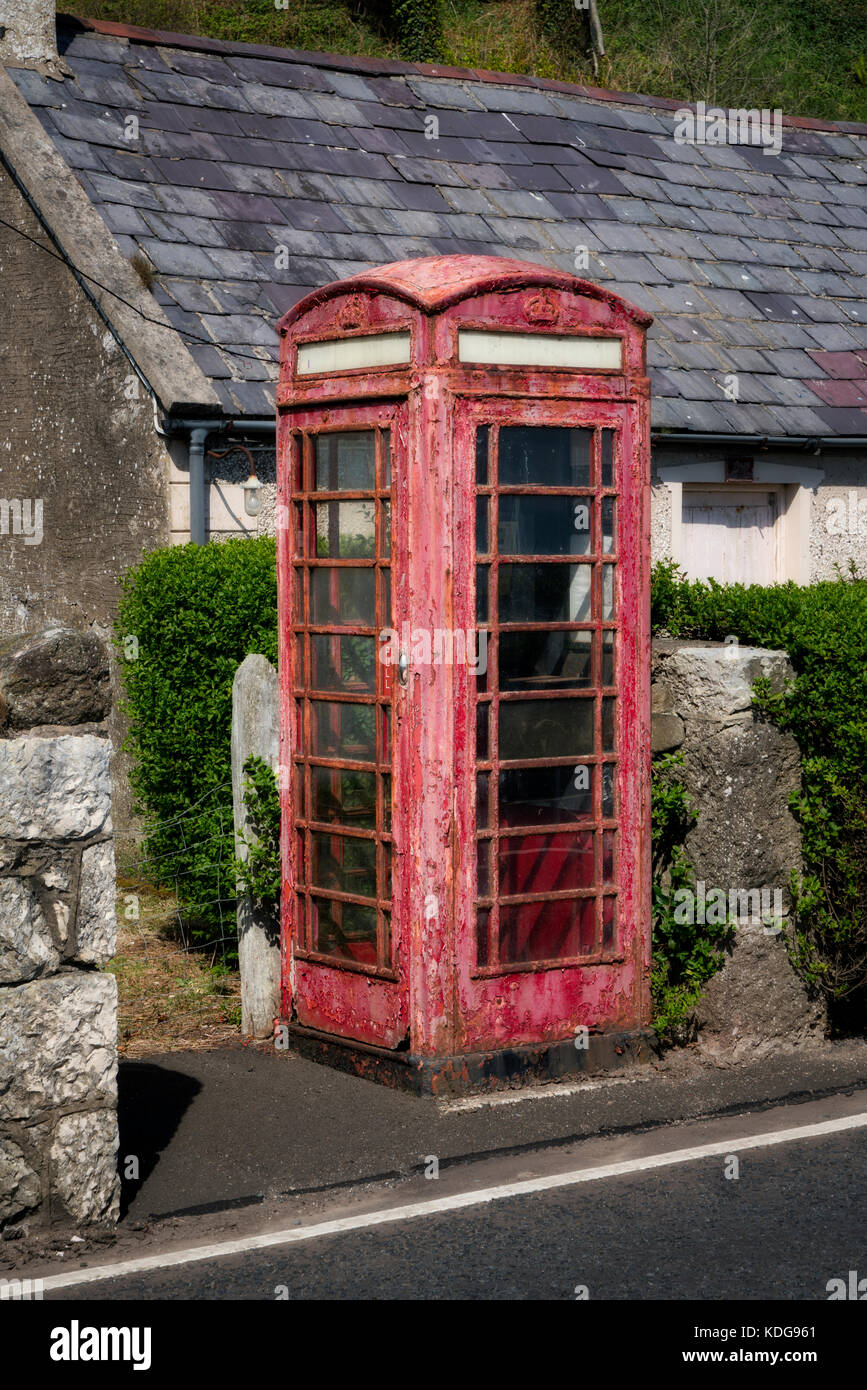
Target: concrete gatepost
255,733
740,771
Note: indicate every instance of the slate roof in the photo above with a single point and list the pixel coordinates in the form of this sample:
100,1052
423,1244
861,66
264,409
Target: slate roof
751,263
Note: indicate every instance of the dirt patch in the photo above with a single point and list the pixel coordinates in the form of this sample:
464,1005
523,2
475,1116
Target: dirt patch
170,998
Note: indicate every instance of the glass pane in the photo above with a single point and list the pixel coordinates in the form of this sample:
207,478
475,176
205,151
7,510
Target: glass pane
342,596
541,525
344,930
483,869
606,452
345,530
343,731
481,525
482,744
609,922
608,727
343,663
545,863
608,860
385,594
545,660
545,729
608,790
341,795
544,593
609,540
386,458
386,801
343,864
385,733
385,871
547,930
482,809
482,456
482,576
608,658
344,462
535,796
607,592
385,538
483,917
544,456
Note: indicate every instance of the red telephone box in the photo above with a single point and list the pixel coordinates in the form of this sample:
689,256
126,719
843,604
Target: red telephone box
463,567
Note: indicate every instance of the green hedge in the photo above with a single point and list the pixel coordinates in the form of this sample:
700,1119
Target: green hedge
187,618
823,627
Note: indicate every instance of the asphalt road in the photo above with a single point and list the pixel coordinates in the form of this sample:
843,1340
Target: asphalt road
792,1220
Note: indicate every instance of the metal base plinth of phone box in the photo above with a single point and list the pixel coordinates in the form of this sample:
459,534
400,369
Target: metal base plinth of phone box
474,1072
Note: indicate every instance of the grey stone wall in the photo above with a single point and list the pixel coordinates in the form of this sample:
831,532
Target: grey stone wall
739,771
81,456
58,1009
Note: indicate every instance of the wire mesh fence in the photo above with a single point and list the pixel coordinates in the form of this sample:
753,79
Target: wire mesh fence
176,961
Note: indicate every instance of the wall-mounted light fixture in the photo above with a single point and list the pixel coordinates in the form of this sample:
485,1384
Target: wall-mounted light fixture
252,493
253,485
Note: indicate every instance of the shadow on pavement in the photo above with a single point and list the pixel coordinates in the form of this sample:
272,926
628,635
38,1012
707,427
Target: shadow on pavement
150,1105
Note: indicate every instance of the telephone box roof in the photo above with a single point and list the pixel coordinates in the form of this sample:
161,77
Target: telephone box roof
432,283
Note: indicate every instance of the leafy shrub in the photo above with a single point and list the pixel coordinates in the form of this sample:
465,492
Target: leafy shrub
823,627
685,955
188,616
417,26
260,871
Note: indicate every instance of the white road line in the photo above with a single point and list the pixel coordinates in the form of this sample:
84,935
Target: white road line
437,1205
530,1093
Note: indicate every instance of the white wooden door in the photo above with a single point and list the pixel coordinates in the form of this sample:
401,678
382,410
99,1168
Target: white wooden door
730,536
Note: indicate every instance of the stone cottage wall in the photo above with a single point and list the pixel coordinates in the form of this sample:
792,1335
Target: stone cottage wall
739,771
58,1009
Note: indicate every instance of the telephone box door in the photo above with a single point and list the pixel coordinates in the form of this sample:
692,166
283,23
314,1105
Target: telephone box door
345,963
551,516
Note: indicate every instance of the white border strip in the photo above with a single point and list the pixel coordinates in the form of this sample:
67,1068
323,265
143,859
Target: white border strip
456,1202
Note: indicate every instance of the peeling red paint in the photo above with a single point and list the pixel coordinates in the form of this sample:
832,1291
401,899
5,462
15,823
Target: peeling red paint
430,989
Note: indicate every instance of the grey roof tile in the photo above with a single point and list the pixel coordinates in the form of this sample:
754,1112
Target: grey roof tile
519,203
176,258
444,93
680,299
586,177
435,171
678,219
630,267
730,277
781,335
470,200
791,362
523,100
677,242
631,210
732,304
675,270
420,196
619,236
